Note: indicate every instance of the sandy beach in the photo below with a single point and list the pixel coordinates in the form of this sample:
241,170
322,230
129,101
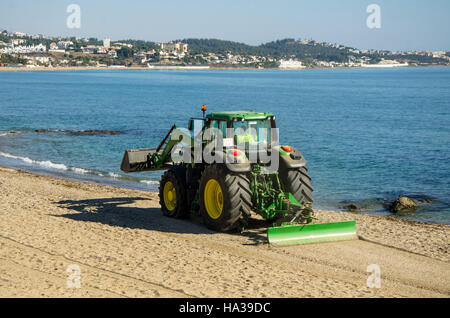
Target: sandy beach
124,247
83,68
69,68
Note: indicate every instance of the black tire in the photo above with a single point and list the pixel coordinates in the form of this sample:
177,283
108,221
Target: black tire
237,198
297,182
181,210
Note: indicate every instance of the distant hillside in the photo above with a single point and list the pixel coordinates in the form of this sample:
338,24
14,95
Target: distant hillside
218,46
203,52
278,49
140,44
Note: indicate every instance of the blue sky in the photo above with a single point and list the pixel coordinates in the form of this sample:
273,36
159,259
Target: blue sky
405,24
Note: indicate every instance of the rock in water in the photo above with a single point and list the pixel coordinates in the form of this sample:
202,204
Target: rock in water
98,132
80,132
351,207
403,204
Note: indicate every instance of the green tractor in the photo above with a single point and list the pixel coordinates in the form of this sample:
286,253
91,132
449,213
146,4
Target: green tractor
224,179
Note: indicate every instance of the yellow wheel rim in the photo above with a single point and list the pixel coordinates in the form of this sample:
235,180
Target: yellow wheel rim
213,198
170,196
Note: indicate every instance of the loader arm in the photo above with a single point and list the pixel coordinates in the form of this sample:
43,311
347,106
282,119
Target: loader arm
149,159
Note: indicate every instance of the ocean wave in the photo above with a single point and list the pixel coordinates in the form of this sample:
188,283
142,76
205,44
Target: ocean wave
150,182
76,170
46,164
80,170
11,132
56,166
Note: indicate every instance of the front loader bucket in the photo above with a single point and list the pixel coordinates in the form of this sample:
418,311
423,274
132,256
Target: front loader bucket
135,160
311,233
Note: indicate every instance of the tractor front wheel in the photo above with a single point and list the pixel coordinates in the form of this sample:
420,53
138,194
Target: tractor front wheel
172,196
225,198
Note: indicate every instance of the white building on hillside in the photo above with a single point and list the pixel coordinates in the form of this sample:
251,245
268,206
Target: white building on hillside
64,45
24,49
177,47
290,64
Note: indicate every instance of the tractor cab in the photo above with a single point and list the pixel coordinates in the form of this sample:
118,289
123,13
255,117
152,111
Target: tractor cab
247,128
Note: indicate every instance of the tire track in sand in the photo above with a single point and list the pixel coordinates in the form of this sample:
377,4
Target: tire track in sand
105,273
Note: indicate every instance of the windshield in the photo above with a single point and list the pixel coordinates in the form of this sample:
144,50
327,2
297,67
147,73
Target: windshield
257,132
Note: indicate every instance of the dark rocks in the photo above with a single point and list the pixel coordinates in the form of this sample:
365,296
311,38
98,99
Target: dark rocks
403,204
89,132
350,207
400,203
98,132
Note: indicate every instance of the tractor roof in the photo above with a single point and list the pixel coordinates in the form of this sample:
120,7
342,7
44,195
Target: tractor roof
230,115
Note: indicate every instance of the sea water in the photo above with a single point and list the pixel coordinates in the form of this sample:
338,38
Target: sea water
369,135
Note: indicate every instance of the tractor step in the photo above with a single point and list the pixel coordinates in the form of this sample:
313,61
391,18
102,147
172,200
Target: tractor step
311,233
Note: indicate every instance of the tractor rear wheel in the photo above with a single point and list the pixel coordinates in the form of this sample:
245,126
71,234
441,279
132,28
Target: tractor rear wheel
172,196
225,198
297,182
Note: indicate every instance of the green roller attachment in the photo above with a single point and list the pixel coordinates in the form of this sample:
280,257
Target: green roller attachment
311,233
